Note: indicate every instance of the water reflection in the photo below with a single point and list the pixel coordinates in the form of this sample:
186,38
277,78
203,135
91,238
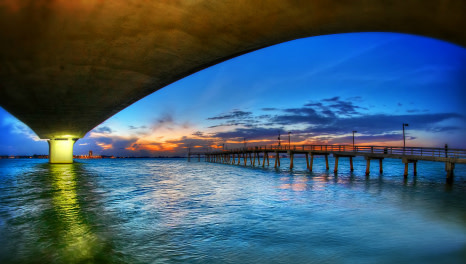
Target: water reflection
52,217
74,234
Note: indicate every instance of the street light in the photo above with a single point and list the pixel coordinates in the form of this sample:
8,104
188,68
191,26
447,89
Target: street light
289,140
354,131
278,138
404,140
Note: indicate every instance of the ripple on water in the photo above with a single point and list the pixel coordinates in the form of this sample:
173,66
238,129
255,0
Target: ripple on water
171,211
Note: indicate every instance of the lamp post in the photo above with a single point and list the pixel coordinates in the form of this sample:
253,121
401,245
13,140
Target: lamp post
289,140
404,139
354,131
278,138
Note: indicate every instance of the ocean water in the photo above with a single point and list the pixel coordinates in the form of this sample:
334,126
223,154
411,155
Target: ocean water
174,211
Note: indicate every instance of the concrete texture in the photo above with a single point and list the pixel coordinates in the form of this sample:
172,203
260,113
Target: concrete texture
66,66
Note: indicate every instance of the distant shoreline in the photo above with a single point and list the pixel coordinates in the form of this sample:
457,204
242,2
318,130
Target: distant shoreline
79,158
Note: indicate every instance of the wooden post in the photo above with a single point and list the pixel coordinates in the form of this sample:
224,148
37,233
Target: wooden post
449,167
268,159
245,158
406,170
336,164
368,166
291,160
415,167
254,159
277,159
239,158
307,159
263,161
326,161
351,163
312,162
250,159
380,166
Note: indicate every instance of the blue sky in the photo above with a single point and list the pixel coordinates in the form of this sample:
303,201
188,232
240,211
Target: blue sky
319,88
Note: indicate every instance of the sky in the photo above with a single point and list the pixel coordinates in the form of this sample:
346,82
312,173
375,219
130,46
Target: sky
319,88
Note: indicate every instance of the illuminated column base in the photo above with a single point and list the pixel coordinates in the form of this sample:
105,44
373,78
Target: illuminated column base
61,150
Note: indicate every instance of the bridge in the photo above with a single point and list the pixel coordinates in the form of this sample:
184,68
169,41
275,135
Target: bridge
407,155
67,66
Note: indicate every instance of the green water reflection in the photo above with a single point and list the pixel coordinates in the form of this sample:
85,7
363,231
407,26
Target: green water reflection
54,218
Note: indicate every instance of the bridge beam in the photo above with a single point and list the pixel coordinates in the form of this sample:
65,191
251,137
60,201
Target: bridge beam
61,150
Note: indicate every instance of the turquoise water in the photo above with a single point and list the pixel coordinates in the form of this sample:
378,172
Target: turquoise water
172,211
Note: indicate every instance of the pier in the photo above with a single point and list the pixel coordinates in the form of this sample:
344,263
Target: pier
406,154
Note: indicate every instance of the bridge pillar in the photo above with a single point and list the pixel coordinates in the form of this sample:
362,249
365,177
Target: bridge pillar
61,150
336,164
449,168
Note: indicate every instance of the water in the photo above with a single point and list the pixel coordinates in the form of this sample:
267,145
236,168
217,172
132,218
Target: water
172,211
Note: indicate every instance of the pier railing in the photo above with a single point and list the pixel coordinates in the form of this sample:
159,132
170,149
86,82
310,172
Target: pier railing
412,151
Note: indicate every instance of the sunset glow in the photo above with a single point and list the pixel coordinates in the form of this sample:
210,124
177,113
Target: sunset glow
319,89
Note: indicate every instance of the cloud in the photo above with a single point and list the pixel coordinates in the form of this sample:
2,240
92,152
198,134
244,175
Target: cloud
135,127
235,114
103,130
333,99
335,118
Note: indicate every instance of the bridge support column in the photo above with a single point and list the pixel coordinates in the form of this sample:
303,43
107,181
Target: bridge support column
291,159
336,164
263,161
406,162
61,150
449,167
312,162
326,162
351,163
277,159
307,160
368,166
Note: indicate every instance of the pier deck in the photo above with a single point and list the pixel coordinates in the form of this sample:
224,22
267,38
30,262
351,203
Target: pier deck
406,154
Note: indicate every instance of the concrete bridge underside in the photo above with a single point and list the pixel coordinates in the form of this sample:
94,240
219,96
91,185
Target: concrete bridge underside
67,66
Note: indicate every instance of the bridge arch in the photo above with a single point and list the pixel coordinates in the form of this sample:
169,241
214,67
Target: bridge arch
67,67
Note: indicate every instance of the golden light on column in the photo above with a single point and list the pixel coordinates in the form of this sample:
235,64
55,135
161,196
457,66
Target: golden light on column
61,149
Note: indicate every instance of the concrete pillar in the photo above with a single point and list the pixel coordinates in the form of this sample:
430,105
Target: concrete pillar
61,150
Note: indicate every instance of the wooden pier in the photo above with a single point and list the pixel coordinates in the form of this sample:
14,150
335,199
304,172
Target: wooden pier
406,154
